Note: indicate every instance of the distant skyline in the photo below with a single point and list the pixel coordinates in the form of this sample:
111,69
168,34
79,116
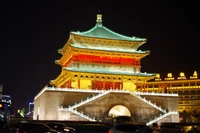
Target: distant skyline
32,33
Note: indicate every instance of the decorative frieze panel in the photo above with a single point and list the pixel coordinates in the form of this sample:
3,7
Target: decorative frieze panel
106,68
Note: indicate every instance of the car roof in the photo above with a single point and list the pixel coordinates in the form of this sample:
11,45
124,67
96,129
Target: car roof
59,123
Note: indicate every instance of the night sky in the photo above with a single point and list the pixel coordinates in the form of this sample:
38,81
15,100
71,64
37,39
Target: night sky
32,32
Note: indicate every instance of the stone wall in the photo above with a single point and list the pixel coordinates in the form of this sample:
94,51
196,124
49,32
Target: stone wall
50,101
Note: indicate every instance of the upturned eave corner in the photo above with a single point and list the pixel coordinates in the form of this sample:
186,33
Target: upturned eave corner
51,82
57,62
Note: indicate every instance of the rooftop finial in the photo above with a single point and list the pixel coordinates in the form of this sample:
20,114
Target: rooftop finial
99,19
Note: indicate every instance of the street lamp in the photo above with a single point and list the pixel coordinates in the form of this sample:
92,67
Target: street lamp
30,106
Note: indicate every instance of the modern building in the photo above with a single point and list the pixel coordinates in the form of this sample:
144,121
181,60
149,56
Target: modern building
101,78
6,99
188,88
5,106
1,90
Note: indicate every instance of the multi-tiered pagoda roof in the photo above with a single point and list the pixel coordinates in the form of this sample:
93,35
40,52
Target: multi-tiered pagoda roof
101,38
101,51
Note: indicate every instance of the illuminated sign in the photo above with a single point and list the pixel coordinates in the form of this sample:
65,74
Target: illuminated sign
182,75
157,77
169,77
195,76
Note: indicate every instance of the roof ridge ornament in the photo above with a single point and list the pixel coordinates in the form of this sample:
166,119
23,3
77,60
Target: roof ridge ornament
99,20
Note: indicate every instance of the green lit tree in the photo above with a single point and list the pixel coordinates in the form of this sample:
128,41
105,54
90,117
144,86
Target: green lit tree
22,112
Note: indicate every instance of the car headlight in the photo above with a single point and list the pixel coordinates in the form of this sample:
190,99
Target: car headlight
66,130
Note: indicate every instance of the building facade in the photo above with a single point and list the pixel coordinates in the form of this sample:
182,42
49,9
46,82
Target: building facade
101,78
188,89
1,90
5,106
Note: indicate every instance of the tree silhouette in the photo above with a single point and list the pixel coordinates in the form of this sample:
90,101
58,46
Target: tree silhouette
123,119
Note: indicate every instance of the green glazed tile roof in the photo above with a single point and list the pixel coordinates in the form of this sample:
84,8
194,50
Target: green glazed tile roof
110,72
100,31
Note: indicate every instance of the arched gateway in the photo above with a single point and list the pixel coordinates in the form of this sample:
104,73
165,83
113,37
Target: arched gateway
100,70
119,110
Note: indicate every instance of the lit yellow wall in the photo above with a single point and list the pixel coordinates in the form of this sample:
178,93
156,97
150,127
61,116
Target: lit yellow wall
129,86
85,84
74,84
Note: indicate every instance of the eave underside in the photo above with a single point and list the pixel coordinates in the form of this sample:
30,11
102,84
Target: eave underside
112,77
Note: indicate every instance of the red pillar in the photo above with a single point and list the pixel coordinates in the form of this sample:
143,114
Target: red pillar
66,84
113,86
141,86
103,85
69,83
144,86
79,83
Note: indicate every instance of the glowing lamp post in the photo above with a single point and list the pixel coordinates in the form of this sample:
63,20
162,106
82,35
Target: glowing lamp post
30,106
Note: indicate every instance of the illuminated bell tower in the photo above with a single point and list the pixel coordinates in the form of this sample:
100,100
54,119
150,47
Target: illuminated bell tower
102,59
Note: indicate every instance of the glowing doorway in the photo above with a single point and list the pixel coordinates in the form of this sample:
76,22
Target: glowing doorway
119,110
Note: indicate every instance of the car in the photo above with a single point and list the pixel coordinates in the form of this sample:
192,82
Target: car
130,128
194,129
170,128
35,128
12,128
61,127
